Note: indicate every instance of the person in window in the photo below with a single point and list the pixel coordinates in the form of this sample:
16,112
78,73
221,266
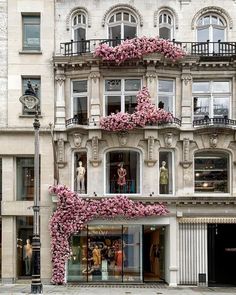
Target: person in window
163,178
121,181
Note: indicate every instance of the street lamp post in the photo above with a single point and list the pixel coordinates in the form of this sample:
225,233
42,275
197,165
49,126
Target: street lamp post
31,101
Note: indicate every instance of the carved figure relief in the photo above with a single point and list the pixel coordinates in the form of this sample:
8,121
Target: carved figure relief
213,140
95,152
168,139
77,139
61,152
150,147
123,138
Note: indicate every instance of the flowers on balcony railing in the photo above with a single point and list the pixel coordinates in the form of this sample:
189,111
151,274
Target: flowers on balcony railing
145,113
137,48
73,213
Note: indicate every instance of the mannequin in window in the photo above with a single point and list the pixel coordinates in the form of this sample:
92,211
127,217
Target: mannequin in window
154,256
163,178
119,259
121,175
80,174
96,257
27,254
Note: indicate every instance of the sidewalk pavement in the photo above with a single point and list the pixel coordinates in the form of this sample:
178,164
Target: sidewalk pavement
152,289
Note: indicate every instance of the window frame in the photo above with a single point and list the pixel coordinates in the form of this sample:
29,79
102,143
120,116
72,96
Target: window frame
139,153
32,112
211,154
78,95
169,94
166,24
122,23
21,177
27,48
212,95
122,93
211,26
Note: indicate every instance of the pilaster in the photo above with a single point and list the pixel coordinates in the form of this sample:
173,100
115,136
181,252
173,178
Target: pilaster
95,111
186,106
60,99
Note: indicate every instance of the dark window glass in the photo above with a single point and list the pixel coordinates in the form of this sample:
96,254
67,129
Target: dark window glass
31,32
25,178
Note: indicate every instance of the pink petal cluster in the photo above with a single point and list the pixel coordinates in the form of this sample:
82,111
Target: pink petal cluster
138,47
74,212
145,113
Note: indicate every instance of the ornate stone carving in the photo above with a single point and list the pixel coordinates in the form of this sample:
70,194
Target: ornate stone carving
168,138
186,144
77,139
187,78
95,152
60,153
151,76
213,140
60,78
150,152
94,76
123,138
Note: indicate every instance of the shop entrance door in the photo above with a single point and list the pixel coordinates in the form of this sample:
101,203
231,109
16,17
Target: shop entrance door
153,253
221,254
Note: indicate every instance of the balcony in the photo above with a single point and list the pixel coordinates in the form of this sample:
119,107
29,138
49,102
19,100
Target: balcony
221,122
203,49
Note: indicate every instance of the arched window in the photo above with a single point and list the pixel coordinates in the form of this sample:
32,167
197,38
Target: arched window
211,172
211,27
165,25
79,32
122,25
123,172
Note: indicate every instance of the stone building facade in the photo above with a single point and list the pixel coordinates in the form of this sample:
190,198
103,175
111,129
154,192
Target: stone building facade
195,152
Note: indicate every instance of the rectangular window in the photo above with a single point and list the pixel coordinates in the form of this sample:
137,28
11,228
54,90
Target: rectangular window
211,173
211,99
166,94
120,95
36,84
31,32
24,234
25,179
80,102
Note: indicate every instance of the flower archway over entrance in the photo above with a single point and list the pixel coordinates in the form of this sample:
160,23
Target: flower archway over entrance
74,212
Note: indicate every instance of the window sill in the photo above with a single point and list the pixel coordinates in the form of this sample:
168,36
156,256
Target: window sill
30,116
30,52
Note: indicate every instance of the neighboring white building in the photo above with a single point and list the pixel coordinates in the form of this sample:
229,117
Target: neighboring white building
194,243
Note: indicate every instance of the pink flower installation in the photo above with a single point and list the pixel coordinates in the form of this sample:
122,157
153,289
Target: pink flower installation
73,213
137,47
145,113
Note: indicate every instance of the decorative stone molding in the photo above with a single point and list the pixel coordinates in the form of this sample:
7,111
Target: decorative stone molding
95,152
186,163
151,75
77,137
60,78
168,139
61,153
150,152
185,2
123,6
207,220
74,11
171,11
123,138
187,78
218,10
94,76
213,140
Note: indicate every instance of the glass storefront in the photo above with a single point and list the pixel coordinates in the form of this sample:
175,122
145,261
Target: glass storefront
113,253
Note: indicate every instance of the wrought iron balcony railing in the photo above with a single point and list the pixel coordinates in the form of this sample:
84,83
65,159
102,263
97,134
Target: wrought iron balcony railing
210,49
223,121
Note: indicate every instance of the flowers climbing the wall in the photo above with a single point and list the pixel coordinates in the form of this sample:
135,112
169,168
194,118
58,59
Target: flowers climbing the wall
145,113
138,47
73,213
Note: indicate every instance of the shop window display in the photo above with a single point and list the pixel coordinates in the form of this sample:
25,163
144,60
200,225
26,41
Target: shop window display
123,172
25,178
165,173
24,231
80,178
106,253
211,173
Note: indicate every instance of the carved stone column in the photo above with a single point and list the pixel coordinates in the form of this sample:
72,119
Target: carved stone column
60,99
94,95
186,106
151,82
151,158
